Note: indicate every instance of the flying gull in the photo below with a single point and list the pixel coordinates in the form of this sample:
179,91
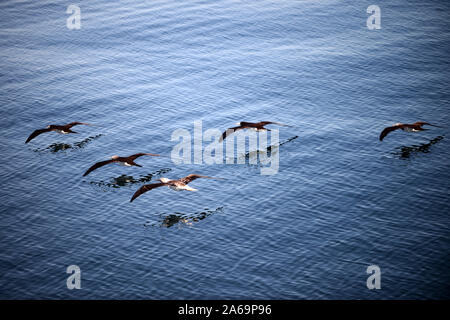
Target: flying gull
414,127
64,129
125,161
258,126
177,185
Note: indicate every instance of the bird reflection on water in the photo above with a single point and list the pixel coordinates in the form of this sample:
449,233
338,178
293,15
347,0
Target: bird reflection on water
268,150
405,152
181,219
126,180
57,147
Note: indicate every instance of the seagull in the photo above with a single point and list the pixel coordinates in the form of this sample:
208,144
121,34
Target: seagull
258,126
126,161
414,127
177,185
65,129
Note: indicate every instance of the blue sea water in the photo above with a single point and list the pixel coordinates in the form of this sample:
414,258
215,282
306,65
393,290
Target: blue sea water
139,70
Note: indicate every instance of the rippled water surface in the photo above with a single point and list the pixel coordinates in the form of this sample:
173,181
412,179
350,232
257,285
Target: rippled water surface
139,70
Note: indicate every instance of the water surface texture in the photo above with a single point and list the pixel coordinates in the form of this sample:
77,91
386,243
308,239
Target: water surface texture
139,70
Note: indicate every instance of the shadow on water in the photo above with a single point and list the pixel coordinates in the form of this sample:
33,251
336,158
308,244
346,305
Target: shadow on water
182,219
267,151
405,152
125,180
57,147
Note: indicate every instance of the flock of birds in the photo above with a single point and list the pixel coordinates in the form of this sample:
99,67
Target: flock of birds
182,183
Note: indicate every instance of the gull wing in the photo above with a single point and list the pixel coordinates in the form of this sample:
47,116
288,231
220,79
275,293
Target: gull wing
36,133
137,155
422,123
70,125
97,165
264,123
228,132
192,177
387,130
145,188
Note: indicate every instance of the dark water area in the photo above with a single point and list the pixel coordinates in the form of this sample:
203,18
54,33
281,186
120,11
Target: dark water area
139,70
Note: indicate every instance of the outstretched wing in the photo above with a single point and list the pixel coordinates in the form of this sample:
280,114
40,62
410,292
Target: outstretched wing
387,130
70,125
229,131
264,123
146,188
137,155
36,133
192,177
422,123
96,166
